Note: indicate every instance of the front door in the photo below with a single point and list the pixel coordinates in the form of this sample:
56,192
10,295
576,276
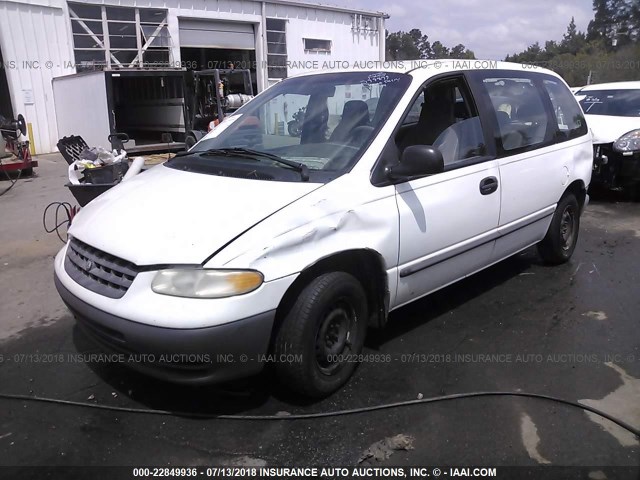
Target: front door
448,221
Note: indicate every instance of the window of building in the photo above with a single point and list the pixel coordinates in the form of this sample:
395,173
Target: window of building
119,37
276,48
312,45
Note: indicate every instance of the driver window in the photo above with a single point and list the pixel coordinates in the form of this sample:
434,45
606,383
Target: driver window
447,119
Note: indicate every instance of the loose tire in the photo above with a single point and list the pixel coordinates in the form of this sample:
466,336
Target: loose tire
189,142
293,128
322,332
560,242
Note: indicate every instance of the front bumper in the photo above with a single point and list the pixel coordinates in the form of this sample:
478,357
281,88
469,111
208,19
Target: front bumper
192,356
613,169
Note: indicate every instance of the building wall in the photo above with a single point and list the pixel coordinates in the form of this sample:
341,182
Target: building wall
36,46
347,45
38,32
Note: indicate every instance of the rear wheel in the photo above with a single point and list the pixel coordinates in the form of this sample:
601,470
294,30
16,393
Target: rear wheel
321,335
560,242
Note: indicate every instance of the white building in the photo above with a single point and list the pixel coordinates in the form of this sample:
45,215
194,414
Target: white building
43,39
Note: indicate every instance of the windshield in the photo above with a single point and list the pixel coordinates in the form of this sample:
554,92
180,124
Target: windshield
321,122
618,103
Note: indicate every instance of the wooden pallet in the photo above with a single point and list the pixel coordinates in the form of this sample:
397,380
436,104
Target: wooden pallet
154,159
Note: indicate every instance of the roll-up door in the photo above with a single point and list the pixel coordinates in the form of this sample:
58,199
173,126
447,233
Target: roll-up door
216,34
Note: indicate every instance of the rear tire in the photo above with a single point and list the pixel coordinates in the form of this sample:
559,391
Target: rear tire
322,332
560,242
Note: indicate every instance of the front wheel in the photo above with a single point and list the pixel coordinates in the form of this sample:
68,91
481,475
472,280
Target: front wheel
560,242
322,334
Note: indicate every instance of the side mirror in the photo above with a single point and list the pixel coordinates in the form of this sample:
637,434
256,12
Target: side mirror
417,161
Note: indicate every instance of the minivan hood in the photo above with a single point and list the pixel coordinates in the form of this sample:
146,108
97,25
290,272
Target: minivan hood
168,216
607,129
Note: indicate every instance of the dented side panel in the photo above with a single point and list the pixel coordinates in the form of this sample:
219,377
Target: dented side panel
340,216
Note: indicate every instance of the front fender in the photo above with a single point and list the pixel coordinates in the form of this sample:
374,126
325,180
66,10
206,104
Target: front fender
326,222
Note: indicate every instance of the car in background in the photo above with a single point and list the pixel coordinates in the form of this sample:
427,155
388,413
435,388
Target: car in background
612,111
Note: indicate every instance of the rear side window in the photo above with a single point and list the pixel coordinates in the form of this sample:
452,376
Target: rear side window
571,123
519,107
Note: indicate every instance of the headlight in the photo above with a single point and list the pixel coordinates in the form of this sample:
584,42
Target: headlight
629,142
203,283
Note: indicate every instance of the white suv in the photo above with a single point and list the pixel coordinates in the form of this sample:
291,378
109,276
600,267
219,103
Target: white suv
258,247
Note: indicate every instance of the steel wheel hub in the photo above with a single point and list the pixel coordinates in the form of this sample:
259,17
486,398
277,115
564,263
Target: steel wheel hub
567,228
334,336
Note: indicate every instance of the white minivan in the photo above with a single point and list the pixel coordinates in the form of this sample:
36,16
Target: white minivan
259,247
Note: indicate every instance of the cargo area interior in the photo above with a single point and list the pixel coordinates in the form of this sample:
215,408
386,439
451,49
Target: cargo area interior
146,107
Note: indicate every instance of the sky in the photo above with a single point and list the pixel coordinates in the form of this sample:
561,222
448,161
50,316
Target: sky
491,28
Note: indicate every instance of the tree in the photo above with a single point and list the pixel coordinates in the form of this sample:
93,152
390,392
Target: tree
460,51
601,27
616,22
439,50
612,39
415,45
422,42
572,41
401,46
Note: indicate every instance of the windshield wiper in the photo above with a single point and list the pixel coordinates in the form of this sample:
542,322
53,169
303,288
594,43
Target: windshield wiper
257,154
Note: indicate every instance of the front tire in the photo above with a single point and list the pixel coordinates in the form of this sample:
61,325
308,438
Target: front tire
322,332
560,242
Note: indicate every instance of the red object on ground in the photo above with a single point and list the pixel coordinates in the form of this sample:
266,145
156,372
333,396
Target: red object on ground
23,158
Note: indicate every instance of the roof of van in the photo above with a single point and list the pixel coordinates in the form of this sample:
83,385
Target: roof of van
424,68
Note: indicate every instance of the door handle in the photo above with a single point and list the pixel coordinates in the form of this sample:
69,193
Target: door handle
488,185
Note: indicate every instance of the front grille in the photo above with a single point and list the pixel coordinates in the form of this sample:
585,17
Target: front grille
99,271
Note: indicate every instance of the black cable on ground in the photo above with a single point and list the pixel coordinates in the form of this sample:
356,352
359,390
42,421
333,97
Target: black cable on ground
335,413
66,219
13,182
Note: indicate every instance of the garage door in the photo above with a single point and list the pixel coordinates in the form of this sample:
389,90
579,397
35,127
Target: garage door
216,34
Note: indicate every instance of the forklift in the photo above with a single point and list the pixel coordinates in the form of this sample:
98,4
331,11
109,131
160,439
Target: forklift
211,95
